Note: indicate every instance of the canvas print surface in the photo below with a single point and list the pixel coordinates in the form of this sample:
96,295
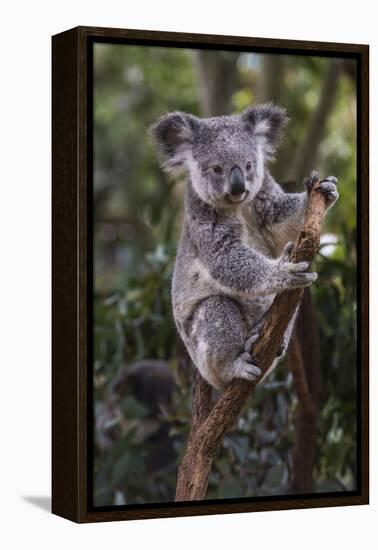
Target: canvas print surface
202,172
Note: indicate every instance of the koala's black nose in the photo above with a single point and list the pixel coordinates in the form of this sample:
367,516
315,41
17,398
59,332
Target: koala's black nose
237,184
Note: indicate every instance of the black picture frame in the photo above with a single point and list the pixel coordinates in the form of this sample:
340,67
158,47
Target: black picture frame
72,249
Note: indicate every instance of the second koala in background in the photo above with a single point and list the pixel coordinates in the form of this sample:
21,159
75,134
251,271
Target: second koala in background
239,225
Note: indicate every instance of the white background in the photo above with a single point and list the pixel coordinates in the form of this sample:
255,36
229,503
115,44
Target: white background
25,272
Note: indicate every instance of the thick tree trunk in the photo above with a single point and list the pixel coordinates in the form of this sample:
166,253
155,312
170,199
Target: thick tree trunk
304,356
305,158
218,78
269,86
207,434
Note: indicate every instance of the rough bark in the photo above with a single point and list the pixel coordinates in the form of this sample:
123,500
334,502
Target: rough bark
304,362
206,437
299,375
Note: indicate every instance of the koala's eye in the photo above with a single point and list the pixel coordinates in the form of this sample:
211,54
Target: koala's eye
249,165
217,169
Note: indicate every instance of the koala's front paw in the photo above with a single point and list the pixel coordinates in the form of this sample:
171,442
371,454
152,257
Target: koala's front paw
297,276
294,275
328,187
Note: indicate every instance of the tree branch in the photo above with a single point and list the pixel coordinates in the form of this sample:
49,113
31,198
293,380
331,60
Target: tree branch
207,435
304,362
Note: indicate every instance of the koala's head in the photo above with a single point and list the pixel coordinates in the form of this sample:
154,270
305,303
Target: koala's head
224,156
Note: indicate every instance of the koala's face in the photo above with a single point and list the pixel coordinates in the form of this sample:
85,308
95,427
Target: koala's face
225,163
224,156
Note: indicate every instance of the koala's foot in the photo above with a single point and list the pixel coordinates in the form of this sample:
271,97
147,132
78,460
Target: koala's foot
328,187
248,346
243,367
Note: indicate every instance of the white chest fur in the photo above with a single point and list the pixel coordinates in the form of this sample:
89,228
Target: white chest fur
252,235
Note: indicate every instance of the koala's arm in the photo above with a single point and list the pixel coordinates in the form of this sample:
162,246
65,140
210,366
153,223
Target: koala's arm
239,269
286,211
276,207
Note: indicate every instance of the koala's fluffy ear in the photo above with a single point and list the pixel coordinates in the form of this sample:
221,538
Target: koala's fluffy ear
173,134
267,123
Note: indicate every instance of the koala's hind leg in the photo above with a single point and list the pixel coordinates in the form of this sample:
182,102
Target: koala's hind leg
215,338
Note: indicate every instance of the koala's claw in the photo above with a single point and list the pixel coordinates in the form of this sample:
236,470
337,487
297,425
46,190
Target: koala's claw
287,251
250,341
295,268
301,280
245,368
292,267
284,259
310,182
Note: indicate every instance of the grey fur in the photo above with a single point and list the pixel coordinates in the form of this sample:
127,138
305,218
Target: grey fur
233,255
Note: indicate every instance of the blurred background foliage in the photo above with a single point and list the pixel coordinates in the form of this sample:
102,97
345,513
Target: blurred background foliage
142,375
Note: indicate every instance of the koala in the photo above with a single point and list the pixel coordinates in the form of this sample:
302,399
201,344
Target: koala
238,231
